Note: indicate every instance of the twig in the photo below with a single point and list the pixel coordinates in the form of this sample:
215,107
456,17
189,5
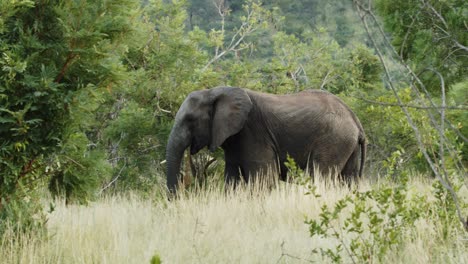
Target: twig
76,162
283,254
26,169
115,179
244,30
441,18
325,80
344,244
407,34
70,58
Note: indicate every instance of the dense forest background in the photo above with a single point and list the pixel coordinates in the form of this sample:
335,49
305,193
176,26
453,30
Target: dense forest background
89,89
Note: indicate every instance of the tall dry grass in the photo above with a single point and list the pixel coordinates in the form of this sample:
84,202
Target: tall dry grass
210,226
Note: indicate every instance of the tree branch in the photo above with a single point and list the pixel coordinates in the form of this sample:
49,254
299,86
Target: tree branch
414,76
441,18
283,254
411,106
362,12
113,180
70,58
239,36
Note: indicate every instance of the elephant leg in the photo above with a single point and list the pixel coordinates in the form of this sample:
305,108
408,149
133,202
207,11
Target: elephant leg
284,173
350,171
261,172
232,174
328,163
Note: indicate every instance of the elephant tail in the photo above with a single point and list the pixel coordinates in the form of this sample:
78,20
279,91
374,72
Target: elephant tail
362,142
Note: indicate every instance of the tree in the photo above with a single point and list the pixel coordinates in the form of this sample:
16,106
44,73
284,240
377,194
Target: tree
57,60
430,36
163,65
440,150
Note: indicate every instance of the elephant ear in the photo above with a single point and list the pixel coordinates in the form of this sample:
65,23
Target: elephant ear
231,108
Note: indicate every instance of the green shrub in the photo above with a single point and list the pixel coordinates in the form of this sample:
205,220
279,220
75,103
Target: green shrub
368,225
56,58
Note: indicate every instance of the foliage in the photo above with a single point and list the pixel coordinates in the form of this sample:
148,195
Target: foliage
368,225
77,172
163,67
443,152
397,151
429,34
458,96
380,222
293,18
297,175
156,259
365,70
56,59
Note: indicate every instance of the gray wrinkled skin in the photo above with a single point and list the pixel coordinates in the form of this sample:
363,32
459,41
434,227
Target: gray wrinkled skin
257,131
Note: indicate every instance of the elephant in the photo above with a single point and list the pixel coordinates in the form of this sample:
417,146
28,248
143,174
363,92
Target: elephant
257,131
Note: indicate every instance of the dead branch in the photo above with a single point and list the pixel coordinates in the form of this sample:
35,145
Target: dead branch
441,19
414,76
237,39
363,12
284,254
415,79
412,106
462,108
113,180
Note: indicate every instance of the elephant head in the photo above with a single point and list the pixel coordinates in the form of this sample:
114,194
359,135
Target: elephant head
205,118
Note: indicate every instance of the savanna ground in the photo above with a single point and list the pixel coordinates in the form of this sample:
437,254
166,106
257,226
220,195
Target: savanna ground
211,226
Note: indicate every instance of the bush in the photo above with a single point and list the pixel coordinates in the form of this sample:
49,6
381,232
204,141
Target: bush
56,59
378,221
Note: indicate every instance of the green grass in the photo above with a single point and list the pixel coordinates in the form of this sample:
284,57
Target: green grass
245,226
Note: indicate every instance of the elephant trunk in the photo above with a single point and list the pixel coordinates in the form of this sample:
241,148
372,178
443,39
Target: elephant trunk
179,140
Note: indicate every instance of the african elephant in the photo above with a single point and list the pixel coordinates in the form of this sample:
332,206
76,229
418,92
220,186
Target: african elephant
258,130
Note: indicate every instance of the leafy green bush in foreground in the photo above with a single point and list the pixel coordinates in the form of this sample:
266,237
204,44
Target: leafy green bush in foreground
381,220
366,225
